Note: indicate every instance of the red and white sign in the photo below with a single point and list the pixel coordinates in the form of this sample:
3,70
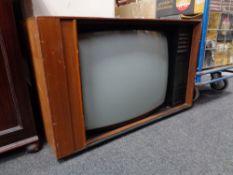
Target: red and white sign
182,5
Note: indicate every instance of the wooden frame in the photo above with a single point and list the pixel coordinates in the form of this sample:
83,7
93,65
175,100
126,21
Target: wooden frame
54,48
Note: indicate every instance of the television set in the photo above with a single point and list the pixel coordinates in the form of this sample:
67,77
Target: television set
100,77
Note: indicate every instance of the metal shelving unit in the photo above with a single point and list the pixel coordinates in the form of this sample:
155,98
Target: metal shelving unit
216,47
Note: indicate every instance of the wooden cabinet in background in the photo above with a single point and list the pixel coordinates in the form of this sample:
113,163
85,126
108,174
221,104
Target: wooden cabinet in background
17,127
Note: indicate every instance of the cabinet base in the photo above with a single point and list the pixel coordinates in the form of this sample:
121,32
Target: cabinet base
32,140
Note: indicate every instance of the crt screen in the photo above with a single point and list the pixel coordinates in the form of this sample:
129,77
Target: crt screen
124,75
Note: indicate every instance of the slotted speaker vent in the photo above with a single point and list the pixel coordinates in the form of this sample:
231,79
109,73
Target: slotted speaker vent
180,54
183,42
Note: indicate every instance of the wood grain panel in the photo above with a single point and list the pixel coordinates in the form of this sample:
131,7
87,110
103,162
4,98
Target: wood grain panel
70,44
137,124
57,84
193,63
38,67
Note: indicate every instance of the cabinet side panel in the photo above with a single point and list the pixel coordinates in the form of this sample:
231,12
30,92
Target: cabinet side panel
57,84
70,44
56,79
193,63
37,61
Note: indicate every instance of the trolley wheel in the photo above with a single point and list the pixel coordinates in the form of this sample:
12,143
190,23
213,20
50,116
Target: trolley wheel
219,85
196,93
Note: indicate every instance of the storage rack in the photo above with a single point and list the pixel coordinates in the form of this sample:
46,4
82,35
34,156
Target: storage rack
218,73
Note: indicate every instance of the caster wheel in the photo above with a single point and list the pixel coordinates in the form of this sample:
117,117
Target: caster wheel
33,148
219,85
196,94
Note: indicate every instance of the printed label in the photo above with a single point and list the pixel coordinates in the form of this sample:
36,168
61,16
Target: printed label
182,5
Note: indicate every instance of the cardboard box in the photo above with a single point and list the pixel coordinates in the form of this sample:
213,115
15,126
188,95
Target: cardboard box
218,54
225,28
214,22
176,7
219,32
136,9
221,5
231,54
223,54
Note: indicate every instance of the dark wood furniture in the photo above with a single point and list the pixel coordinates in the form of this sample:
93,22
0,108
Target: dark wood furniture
54,48
17,127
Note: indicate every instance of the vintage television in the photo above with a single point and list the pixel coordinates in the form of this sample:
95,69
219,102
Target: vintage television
100,77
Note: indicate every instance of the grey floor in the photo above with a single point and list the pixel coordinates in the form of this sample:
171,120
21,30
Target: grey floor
196,142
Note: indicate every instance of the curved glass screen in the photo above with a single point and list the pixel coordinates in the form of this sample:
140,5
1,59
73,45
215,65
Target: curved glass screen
124,75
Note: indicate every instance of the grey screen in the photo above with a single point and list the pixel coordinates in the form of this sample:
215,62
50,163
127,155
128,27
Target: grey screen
124,75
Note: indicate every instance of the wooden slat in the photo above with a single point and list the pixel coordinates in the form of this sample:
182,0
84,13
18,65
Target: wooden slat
57,84
137,124
148,20
193,63
70,44
37,59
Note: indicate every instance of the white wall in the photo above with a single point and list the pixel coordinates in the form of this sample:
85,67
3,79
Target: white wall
99,8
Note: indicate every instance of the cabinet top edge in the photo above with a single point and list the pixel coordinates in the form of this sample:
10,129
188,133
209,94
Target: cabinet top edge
168,21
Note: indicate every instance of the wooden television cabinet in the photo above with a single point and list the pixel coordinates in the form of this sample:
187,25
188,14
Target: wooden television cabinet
54,49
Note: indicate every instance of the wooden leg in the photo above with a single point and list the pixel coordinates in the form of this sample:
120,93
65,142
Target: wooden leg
33,147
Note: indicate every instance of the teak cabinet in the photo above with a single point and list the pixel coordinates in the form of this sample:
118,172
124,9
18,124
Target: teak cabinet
17,127
54,49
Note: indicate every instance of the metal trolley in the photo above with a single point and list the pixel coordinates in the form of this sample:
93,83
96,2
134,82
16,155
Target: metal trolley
215,62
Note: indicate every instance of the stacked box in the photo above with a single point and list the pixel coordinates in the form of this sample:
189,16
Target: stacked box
136,9
158,8
214,20
220,54
223,54
221,5
231,54
166,8
225,33
219,46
